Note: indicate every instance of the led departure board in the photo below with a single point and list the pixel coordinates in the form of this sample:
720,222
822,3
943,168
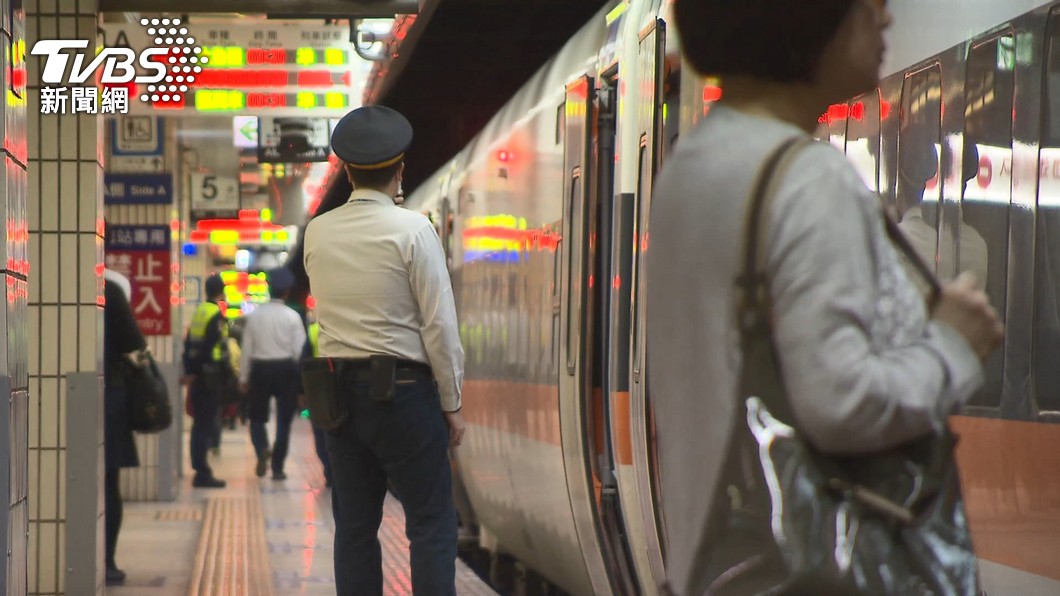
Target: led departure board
267,68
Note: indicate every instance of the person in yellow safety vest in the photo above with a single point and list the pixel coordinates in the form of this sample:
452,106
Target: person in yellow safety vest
313,350
206,370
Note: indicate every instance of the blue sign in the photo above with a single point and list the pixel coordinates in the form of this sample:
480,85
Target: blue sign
137,189
137,238
136,135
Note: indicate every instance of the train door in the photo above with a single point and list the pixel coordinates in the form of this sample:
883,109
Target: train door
631,441
575,336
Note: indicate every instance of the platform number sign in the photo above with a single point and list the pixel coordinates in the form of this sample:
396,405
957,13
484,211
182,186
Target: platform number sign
211,192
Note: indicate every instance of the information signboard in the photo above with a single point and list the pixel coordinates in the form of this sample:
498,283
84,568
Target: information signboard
210,192
137,189
293,140
276,68
142,254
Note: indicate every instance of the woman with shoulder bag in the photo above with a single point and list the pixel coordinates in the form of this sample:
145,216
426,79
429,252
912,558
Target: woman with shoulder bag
785,335
121,337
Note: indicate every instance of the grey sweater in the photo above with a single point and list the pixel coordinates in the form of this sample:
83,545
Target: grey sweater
864,367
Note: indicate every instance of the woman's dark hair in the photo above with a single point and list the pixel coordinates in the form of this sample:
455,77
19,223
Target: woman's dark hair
771,39
336,195
373,178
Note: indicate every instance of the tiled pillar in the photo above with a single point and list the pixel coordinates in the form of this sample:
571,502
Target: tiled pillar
66,320
14,379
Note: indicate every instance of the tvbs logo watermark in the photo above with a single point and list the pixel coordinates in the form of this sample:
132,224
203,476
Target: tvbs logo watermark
167,68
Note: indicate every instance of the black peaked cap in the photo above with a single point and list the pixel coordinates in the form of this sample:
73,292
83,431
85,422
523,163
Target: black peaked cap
371,137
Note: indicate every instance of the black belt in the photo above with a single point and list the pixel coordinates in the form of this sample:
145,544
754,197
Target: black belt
358,370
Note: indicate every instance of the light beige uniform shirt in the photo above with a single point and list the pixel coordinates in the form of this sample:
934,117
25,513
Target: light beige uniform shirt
381,285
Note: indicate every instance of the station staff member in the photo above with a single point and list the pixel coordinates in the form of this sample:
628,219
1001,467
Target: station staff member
205,370
272,346
381,286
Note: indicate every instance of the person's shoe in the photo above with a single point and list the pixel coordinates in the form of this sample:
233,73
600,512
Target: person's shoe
279,476
263,464
115,576
208,482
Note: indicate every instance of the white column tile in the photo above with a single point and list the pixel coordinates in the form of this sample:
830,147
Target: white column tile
33,253
33,215
34,343
49,538
62,422
49,420
68,197
87,202
89,142
49,272
47,196
68,261
88,282
87,6
34,476
33,436
46,7
49,136
68,6
68,134
49,488
68,342
49,339
88,326
87,25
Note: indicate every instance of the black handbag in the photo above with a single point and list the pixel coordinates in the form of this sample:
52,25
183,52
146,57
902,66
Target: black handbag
149,407
792,520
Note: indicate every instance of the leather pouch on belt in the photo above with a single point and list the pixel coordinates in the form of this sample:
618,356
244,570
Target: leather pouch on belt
327,405
383,373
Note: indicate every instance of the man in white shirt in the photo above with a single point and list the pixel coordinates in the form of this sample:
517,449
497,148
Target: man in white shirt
272,346
382,292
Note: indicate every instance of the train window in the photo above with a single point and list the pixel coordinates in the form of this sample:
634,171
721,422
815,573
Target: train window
918,187
561,121
1047,242
574,240
986,183
643,188
863,137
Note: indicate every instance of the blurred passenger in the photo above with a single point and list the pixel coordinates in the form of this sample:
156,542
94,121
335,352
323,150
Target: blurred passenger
918,161
273,340
865,365
312,350
232,405
388,323
206,371
121,336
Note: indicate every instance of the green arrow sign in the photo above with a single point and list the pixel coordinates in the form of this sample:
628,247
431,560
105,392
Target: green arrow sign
249,130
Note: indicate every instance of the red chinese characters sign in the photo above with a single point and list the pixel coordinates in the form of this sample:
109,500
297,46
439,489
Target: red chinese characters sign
142,254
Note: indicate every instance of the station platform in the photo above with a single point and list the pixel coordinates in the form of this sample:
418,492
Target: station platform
257,536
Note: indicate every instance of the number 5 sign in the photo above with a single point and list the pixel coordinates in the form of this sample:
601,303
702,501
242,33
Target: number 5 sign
212,192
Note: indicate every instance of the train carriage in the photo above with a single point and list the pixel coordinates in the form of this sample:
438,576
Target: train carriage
544,217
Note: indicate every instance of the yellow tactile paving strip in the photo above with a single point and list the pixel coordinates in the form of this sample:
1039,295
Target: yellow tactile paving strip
232,557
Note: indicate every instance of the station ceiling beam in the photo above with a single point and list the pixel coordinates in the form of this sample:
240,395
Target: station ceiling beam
362,9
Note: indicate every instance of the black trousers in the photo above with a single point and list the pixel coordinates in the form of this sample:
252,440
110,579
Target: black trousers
113,511
405,440
268,378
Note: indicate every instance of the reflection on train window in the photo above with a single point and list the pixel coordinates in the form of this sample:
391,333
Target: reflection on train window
986,179
1046,327
918,186
863,137
644,179
574,239
561,122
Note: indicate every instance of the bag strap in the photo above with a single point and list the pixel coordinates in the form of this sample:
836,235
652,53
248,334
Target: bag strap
753,305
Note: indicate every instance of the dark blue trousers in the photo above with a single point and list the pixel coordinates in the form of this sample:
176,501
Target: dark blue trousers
268,378
206,408
407,441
